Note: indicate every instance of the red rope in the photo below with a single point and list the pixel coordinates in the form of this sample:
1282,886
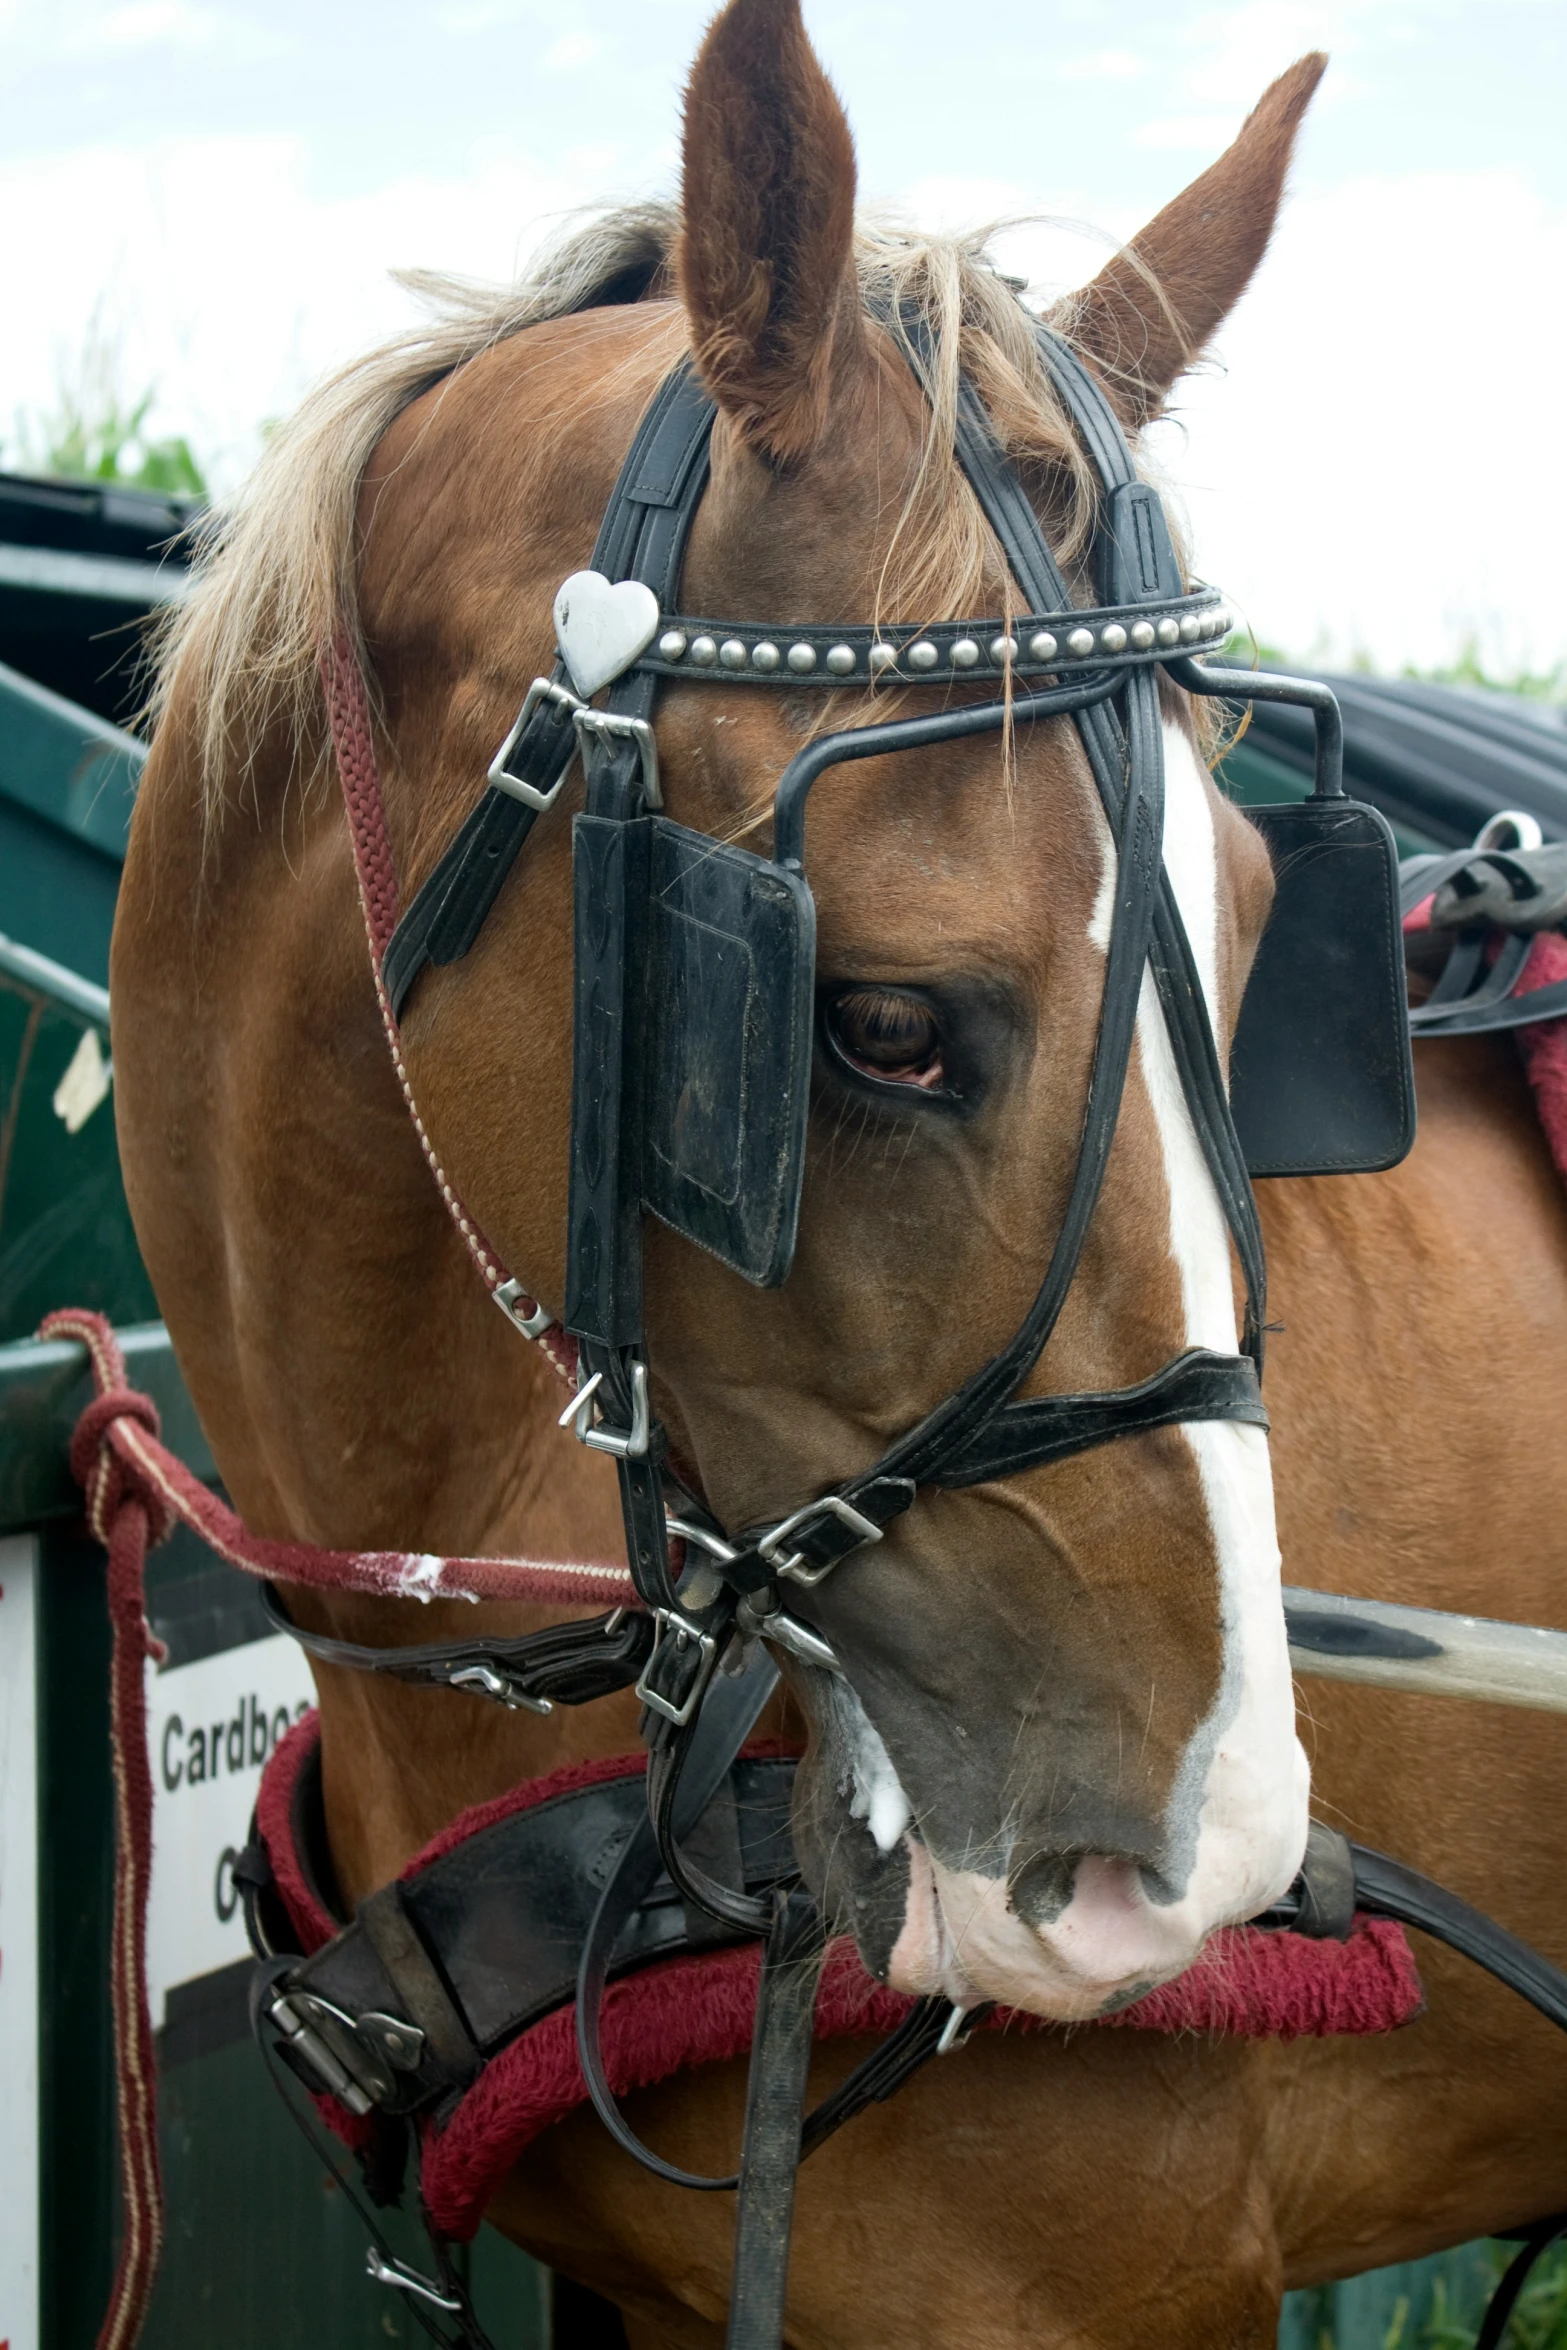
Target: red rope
126,1517
348,709
136,1492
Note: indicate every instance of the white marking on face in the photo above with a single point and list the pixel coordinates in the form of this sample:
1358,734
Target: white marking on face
1238,1811
1239,1806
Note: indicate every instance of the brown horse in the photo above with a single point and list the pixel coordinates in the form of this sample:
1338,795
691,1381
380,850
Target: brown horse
1070,1749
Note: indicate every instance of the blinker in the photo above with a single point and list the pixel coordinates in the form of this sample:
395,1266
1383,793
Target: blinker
1321,1081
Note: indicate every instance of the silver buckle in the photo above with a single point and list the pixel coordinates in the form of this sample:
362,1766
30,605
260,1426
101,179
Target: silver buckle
621,1443
407,2280
636,730
531,1325
798,1640
796,1568
487,1682
543,689
955,2031
354,2057
703,1538
670,1619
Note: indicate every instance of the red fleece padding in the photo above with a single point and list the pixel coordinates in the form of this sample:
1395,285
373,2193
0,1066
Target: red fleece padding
312,1924
1542,1046
700,2010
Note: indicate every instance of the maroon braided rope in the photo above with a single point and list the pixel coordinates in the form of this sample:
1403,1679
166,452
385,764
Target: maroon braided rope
126,1514
348,709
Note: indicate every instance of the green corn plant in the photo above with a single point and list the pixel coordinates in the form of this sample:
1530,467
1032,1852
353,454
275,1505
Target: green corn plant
96,432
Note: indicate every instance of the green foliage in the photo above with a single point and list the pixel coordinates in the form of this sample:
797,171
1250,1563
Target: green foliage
113,445
1468,669
1539,685
1454,2304
96,431
1246,651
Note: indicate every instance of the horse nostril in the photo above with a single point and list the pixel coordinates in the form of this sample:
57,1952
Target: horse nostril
1042,1887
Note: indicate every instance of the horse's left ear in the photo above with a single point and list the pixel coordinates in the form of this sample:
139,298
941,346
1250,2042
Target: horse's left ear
1146,317
766,253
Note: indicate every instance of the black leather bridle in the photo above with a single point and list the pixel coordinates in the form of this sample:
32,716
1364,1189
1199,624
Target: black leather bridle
1100,666
1108,684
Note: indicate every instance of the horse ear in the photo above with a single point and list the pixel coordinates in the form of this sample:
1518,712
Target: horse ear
767,244
1146,316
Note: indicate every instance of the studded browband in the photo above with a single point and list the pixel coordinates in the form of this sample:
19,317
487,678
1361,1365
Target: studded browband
1035,645
1152,619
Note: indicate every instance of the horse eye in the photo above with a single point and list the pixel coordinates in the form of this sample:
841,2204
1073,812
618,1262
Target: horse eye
886,1034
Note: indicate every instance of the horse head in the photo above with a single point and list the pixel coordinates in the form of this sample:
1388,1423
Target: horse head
1060,1750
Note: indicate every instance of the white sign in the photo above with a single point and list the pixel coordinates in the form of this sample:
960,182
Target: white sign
18,1947
211,1726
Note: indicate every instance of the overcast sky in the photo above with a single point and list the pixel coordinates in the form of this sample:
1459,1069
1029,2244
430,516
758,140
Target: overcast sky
1376,464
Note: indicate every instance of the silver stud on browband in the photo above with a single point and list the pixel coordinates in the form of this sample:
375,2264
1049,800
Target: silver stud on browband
925,655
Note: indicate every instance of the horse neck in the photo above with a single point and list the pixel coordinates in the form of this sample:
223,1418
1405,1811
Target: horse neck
415,1416
357,1386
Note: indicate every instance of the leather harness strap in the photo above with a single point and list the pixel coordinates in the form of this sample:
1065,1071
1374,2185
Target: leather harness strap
644,530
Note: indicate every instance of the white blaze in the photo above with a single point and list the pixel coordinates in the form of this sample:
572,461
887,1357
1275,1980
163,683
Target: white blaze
1237,1815
1240,1803
1236,1822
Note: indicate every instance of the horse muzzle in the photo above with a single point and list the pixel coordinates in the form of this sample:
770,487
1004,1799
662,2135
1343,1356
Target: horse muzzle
1071,1937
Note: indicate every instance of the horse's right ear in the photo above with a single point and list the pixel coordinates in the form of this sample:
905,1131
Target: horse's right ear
766,254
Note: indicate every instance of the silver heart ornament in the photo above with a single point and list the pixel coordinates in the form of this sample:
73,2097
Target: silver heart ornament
602,628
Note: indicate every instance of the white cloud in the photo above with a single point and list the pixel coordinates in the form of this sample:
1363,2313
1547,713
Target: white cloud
1198,134
478,16
573,50
1341,461
230,283
1099,65
148,24
1346,472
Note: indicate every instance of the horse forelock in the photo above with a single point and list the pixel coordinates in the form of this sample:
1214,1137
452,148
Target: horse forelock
277,570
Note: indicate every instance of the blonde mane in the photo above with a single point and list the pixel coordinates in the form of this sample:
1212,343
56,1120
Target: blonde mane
276,572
